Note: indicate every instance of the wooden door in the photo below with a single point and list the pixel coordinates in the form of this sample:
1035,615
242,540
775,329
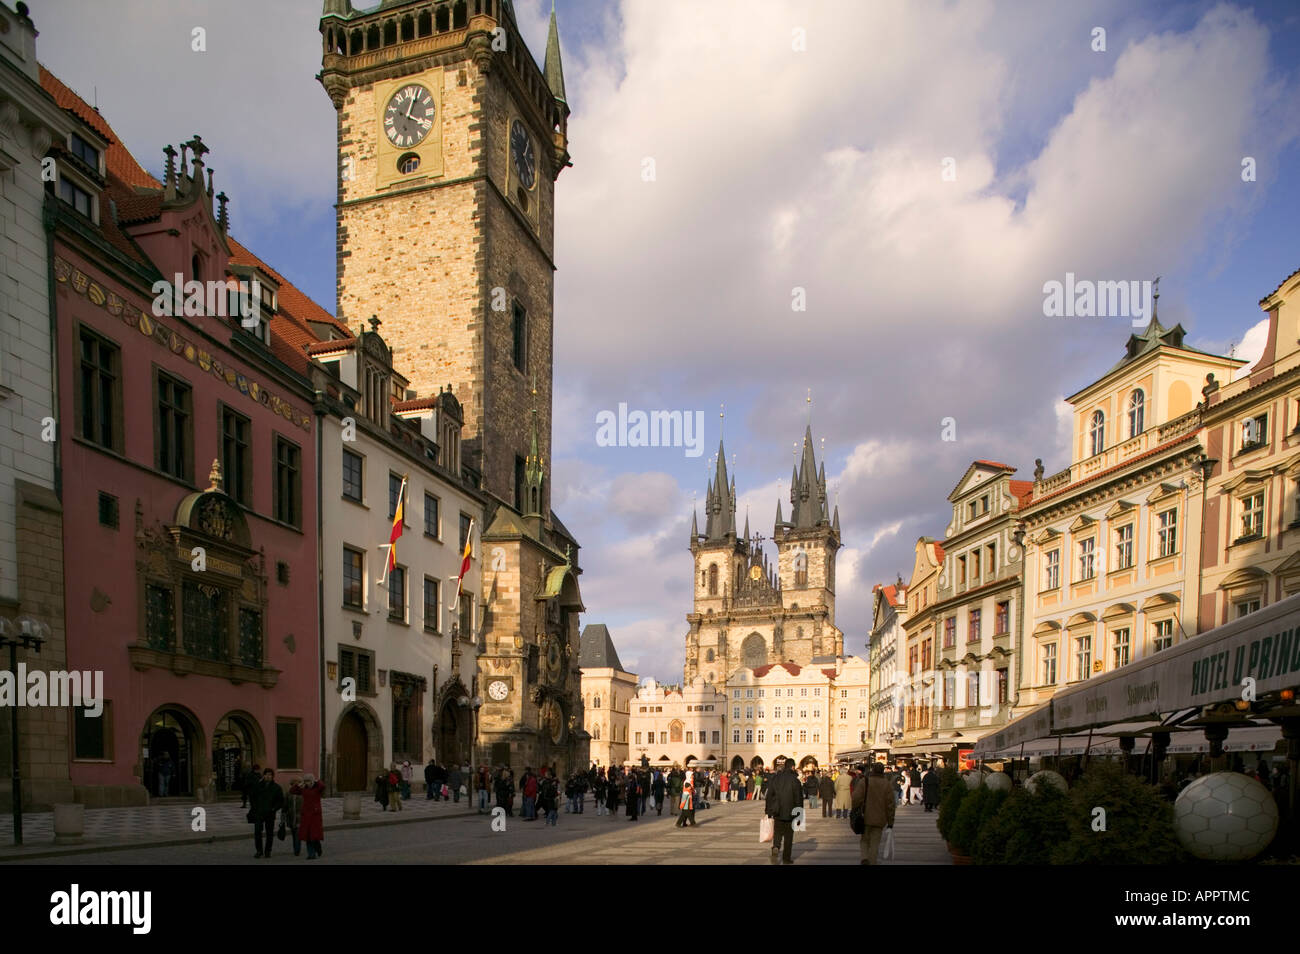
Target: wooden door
352,753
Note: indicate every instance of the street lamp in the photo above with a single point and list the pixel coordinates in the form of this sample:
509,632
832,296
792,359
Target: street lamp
28,633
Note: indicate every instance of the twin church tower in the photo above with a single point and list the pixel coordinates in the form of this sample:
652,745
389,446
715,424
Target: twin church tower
748,613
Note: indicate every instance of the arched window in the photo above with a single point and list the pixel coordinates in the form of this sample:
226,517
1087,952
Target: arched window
596,703
674,731
1137,402
595,733
1097,433
753,651
713,579
800,568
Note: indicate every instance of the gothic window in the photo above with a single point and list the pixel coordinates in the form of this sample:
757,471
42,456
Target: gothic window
708,656
800,568
674,731
713,579
408,716
753,651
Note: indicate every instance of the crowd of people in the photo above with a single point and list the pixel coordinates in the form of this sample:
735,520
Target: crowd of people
627,792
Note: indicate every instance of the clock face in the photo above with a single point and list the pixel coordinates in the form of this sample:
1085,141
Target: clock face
521,154
755,572
409,116
498,690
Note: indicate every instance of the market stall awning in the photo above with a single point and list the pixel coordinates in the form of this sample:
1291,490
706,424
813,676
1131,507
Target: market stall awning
1204,670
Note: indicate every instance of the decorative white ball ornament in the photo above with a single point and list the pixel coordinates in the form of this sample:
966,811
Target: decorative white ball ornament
1225,816
1047,777
998,781
972,778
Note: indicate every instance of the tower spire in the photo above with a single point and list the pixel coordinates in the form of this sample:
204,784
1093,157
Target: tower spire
554,69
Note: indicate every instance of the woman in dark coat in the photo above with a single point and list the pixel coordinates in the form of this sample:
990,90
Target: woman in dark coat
311,820
633,795
381,790
930,789
611,795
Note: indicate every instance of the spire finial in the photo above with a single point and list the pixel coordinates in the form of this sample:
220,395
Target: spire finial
1155,299
214,476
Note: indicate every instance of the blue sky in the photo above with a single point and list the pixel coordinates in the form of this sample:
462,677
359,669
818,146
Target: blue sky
779,169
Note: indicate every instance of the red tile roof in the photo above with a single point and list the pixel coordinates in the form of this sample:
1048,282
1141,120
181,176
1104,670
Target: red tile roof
791,668
118,159
138,198
938,549
1022,490
830,672
291,335
994,463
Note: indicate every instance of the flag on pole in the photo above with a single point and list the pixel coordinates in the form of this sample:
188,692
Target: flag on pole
464,563
396,532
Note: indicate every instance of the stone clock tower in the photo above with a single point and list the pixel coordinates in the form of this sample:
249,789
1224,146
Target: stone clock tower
450,141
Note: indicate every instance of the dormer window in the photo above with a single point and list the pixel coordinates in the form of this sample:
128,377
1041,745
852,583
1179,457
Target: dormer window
84,151
1097,433
76,197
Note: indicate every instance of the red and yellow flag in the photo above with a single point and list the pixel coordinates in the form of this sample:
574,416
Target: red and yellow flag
464,562
397,527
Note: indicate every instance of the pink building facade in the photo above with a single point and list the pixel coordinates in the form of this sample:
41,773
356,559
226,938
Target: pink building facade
187,449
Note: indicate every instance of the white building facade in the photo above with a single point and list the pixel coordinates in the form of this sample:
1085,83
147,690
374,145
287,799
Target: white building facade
808,713
889,611
400,635
674,725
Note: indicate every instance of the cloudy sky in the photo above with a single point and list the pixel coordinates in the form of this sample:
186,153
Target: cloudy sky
797,145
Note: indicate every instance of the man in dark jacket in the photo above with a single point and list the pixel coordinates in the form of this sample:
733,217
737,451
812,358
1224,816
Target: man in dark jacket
930,788
455,779
266,798
826,789
784,795
430,773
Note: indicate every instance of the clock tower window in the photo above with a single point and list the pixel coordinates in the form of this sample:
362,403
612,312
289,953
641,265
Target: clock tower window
519,337
408,163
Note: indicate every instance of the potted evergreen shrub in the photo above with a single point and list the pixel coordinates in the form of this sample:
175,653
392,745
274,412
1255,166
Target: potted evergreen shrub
965,827
949,806
1025,829
1139,823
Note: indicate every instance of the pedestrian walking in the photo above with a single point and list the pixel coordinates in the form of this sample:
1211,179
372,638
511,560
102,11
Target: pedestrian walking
395,788
548,797
505,792
784,795
810,788
930,788
872,796
430,776
528,788
483,787
687,805
658,787
381,790
633,795
826,789
843,783
165,767
455,779
291,816
311,823
252,778
264,801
